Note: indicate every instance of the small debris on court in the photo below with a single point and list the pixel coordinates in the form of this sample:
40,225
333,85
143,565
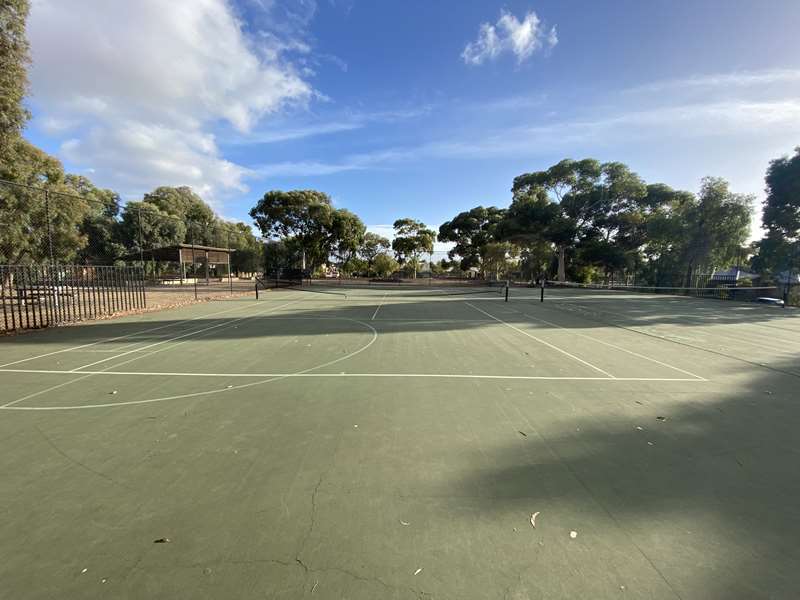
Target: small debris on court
661,418
522,433
162,541
573,534
533,519
404,523
650,444
113,392
316,583
418,571
84,571
638,428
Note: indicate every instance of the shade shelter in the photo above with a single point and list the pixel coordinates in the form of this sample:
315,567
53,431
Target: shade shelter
186,254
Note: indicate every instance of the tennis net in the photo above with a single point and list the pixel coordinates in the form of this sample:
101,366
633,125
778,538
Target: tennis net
569,290
369,288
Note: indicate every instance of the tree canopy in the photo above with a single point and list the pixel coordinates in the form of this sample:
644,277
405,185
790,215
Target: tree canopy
412,238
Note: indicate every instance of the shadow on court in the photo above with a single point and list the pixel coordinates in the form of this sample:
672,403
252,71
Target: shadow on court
706,491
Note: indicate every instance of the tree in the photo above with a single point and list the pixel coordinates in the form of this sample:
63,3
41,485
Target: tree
385,265
99,224
144,226
346,234
14,60
412,238
780,248
372,245
496,258
719,223
597,201
282,257
36,224
536,223
183,204
471,231
248,255
308,216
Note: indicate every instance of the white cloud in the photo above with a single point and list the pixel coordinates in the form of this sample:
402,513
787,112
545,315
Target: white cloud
509,34
726,81
149,81
348,122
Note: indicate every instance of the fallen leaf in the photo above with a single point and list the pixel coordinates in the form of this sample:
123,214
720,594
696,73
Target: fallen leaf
661,418
404,524
639,428
84,571
162,541
533,519
522,433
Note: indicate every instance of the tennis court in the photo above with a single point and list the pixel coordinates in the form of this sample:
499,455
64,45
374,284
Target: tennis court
394,442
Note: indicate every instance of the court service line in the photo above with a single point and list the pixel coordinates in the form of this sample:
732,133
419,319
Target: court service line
541,341
379,307
122,337
610,345
178,337
90,374
358,375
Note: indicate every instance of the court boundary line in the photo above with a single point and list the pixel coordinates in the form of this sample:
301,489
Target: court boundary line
610,345
541,341
178,337
231,388
675,341
345,374
383,299
90,374
122,337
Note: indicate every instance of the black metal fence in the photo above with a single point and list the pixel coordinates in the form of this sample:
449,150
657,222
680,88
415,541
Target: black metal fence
36,296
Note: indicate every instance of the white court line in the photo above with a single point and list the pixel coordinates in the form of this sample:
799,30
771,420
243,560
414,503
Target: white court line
610,345
208,392
541,341
379,307
122,337
355,375
177,337
90,374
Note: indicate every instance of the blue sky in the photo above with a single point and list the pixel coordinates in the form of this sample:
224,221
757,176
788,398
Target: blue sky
412,108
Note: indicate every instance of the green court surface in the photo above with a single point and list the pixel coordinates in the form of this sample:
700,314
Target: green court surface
393,445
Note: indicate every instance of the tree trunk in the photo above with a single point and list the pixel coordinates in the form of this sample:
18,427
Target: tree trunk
562,275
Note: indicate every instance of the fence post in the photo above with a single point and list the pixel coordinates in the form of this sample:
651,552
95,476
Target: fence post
230,276
141,244
49,226
194,269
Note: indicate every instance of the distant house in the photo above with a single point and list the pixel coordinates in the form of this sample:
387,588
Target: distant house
791,277
734,275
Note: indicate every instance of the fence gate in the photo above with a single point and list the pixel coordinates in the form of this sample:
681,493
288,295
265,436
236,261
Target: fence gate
36,296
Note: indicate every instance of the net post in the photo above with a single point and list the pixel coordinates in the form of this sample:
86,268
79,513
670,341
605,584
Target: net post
506,291
541,286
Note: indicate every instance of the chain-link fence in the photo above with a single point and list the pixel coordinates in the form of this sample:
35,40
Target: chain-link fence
177,260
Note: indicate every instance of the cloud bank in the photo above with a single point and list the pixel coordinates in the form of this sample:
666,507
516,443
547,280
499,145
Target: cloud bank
137,92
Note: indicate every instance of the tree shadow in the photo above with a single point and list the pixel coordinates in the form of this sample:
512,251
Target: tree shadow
704,485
